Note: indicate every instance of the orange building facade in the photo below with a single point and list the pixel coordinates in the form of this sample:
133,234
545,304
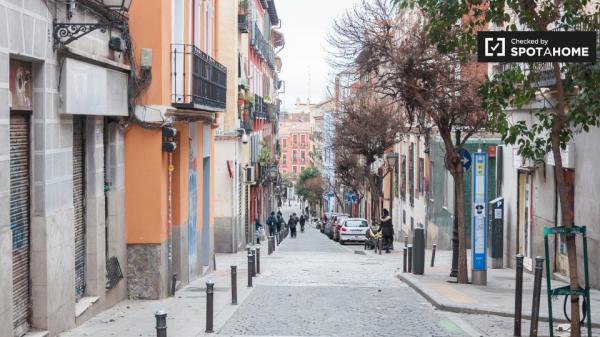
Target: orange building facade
169,198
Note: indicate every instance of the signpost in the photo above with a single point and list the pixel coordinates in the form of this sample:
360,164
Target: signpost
479,210
465,158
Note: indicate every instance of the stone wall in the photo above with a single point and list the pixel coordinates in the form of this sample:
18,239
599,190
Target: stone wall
147,275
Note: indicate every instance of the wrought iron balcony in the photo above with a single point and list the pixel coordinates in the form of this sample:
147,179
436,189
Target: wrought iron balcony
259,108
261,46
198,81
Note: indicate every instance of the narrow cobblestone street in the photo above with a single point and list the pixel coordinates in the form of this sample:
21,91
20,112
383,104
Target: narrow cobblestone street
314,286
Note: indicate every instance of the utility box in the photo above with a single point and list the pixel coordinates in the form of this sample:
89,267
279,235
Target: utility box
418,253
496,228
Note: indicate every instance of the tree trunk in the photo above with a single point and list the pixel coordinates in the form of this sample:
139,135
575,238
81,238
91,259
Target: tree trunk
563,195
459,213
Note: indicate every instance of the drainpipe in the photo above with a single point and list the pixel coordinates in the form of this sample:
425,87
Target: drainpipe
170,169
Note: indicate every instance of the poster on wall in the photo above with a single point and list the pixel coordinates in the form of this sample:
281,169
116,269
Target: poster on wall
20,85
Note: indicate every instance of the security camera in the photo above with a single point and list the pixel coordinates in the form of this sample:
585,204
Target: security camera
244,138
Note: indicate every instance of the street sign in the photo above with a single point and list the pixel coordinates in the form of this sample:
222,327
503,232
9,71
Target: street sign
465,158
479,213
351,198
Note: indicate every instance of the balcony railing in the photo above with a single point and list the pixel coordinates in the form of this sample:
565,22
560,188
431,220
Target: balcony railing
197,80
261,45
259,108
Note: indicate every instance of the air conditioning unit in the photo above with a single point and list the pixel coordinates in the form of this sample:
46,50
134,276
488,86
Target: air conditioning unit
250,178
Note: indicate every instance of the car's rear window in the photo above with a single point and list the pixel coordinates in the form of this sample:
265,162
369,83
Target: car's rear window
356,223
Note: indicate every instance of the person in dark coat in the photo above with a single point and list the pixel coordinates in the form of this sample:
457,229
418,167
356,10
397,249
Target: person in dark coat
292,225
271,223
302,222
387,231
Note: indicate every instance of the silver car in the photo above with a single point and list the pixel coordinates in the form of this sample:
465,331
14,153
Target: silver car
353,229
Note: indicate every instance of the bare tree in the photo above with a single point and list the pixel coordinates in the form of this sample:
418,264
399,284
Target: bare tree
365,128
437,90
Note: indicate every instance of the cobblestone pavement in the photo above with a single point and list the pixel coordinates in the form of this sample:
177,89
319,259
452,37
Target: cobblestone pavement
316,287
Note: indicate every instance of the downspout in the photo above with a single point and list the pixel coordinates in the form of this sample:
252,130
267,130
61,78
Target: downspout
170,169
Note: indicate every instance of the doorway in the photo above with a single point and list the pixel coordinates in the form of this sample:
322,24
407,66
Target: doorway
525,219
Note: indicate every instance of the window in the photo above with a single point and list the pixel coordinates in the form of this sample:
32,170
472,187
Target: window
403,217
294,156
403,178
284,143
295,140
295,169
302,156
412,223
302,140
431,184
284,158
421,181
411,173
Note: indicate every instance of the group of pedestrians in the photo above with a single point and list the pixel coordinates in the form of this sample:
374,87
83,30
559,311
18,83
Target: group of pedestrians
275,222
293,224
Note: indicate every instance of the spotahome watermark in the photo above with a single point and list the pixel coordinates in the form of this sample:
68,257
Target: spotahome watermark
536,47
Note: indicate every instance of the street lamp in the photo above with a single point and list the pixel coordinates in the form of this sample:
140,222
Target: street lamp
392,160
118,5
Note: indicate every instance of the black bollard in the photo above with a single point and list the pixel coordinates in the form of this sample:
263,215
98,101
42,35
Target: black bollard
234,285
404,251
250,267
518,296
210,293
161,323
173,284
433,254
537,287
253,252
410,258
406,241
258,260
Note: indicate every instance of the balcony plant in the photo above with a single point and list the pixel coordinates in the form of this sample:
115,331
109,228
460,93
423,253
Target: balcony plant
243,6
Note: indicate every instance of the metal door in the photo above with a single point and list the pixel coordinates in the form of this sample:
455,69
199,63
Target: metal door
79,204
20,221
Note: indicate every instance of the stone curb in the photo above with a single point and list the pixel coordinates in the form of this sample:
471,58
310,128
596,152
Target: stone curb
468,310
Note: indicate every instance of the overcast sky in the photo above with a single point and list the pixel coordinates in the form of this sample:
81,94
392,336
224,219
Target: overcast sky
305,24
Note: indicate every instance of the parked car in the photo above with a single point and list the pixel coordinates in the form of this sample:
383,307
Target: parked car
328,216
338,224
329,226
353,230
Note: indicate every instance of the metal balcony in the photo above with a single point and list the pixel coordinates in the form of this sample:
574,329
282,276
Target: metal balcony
261,46
198,81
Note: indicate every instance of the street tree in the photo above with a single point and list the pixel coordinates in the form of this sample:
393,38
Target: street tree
570,104
366,126
436,90
310,185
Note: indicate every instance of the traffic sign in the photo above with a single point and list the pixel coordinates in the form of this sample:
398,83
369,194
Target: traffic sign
465,158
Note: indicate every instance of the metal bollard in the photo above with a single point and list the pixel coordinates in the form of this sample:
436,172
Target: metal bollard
537,287
234,285
404,251
433,254
258,260
253,252
173,284
410,258
406,241
250,267
161,323
210,293
518,296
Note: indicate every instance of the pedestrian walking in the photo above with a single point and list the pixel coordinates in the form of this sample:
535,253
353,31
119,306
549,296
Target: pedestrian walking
257,228
302,223
387,231
292,225
271,223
